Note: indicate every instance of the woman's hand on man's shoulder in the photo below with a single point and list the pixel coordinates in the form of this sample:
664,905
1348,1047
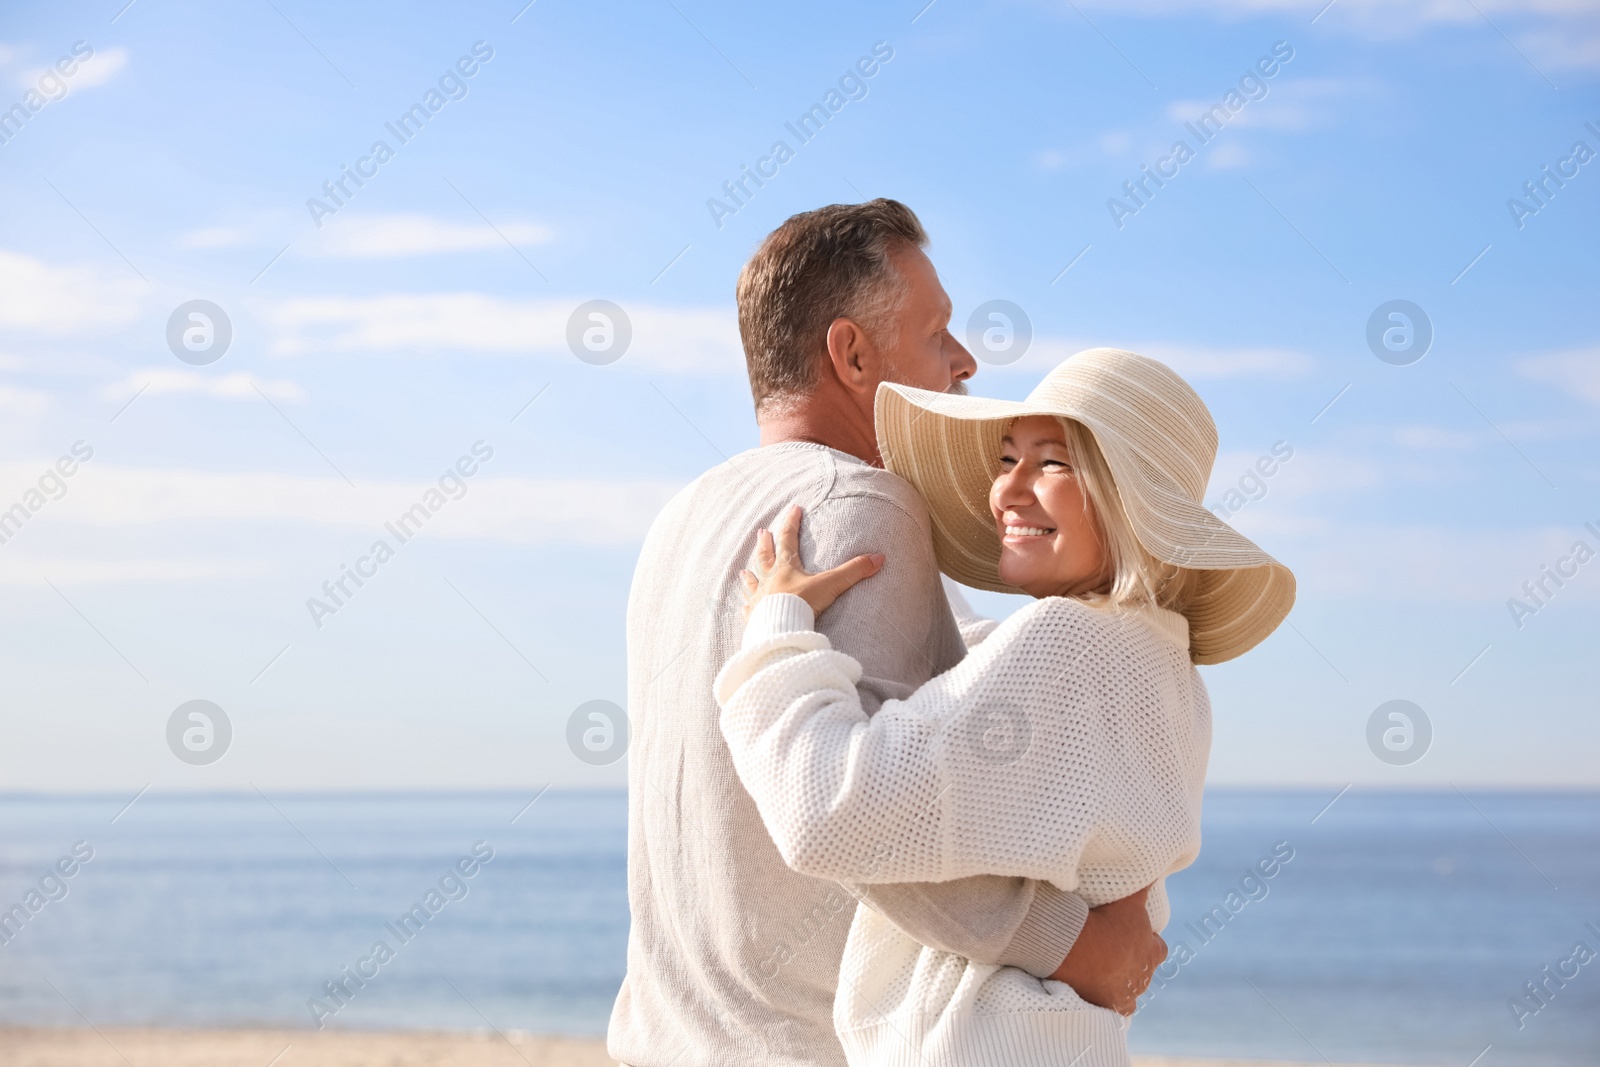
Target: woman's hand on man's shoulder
778,569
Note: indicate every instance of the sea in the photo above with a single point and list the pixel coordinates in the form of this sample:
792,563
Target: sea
1352,926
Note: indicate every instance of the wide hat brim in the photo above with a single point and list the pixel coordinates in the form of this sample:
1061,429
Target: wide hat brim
1158,440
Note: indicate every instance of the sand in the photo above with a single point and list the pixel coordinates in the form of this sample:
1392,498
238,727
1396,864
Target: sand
112,1047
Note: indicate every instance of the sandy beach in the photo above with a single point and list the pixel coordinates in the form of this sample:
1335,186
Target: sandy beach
113,1047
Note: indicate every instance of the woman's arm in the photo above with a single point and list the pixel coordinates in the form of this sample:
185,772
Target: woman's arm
896,626
974,773
801,743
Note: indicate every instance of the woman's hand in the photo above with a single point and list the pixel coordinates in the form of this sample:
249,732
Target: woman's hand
1115,956
778,569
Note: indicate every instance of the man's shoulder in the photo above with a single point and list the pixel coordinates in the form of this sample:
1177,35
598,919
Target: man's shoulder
873,492
863,479
740,493
799,473
753,474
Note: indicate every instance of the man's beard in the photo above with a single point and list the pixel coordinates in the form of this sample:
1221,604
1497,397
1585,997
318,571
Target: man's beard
957,388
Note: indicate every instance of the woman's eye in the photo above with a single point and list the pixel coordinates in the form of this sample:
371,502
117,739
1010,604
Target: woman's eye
1005,460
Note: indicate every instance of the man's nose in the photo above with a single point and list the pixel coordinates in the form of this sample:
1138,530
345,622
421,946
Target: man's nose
962,365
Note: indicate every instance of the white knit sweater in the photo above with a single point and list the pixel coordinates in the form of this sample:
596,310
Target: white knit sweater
1069,746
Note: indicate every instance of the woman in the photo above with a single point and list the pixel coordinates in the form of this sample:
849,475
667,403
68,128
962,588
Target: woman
1070,745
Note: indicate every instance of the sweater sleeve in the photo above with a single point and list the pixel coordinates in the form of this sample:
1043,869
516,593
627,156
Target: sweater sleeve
1013,922
987,918
893,626
965,776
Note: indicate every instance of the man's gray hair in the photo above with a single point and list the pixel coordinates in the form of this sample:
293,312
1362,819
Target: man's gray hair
819,266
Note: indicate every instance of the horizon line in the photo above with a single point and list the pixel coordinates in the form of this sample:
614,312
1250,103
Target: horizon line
376,793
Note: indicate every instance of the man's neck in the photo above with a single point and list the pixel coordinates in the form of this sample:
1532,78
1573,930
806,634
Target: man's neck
834,426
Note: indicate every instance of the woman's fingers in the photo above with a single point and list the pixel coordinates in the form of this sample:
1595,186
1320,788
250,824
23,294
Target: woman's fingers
778,568
854,570
781,549
832,584
789,538
764,553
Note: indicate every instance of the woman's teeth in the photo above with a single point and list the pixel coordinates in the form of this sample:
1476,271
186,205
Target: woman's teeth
1026,531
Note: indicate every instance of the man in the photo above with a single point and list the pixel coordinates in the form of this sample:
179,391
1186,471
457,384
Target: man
733,957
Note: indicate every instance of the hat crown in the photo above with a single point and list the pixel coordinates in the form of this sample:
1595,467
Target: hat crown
1135,404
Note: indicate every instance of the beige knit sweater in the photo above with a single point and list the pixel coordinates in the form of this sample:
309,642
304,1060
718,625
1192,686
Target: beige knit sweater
733,957
1070,745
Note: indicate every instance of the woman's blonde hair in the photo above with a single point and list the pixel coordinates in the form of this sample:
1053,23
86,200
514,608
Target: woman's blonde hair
1137,577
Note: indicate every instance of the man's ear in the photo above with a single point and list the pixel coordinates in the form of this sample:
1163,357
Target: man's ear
853,355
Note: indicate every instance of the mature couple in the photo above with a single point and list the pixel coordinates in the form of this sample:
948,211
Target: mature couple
865,825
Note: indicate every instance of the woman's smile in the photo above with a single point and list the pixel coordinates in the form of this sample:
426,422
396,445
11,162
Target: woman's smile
1025,534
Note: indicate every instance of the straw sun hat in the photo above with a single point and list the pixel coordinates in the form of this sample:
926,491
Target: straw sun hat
1158,440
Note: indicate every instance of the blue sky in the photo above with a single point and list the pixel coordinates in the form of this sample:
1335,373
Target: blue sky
372,352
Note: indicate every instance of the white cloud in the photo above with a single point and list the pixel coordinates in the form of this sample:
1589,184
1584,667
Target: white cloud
1194,362
156,381
1433,438
1197,361
1309,514
1291,105
64,301
1229,156
385,236
1435,563
501,508
373,236
21,569
1115,142
1050,159
678,340
1304,474
90,73
1334,553
1083,153
1555,33
1407,12
1558,50
22,401
1548,429
99,68
1262,525
1337,479
1576,371
215,237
